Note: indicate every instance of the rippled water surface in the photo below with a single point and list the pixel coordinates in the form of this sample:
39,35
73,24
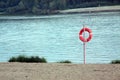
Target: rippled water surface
56,38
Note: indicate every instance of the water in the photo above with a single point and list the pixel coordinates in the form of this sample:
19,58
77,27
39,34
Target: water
56,38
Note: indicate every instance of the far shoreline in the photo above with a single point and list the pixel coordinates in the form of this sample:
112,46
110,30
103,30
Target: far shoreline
91,10
115,8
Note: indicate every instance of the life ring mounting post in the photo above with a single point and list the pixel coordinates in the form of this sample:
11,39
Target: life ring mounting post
84,40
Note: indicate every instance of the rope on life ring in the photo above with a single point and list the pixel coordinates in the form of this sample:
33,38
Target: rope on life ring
81,36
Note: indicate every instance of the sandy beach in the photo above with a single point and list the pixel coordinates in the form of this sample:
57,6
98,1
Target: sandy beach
56,71
91,9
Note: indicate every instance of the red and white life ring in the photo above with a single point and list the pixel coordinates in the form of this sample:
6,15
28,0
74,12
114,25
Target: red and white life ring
81,36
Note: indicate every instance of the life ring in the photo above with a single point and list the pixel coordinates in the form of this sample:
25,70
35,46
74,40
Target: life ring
81,36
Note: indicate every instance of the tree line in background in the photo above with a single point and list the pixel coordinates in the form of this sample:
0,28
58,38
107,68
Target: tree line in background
49,6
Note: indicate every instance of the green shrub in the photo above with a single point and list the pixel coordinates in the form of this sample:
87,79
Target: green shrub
12,59
115,62
22,58
66,61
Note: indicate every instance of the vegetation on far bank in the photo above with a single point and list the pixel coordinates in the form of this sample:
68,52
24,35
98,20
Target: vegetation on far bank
14,7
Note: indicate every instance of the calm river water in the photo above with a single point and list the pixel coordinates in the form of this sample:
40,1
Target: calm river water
56,38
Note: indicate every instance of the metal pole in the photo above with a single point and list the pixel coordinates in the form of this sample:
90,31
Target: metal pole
84,46
84,53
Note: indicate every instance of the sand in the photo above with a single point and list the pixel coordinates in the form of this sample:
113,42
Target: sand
59,71
91,9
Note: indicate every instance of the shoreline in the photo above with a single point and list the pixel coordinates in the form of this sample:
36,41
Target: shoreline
56,71
91,10
115,8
